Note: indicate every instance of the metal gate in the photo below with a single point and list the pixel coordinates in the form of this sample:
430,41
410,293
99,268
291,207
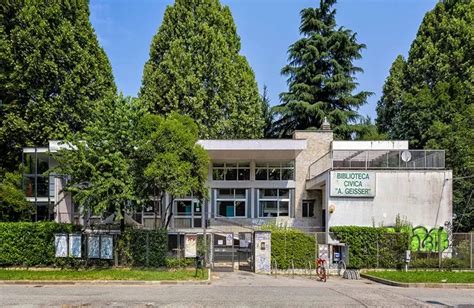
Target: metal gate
245,251
230,248
223,254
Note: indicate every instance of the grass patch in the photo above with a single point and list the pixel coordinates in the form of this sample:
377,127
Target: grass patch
102,274
425,276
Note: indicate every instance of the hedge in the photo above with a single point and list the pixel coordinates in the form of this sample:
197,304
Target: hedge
29,243
292,245
138,247
373,247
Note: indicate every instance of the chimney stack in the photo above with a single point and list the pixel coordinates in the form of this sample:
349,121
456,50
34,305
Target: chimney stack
325,125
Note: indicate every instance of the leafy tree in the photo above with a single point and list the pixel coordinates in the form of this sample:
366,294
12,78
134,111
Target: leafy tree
170,161
388,107
366,130
195,69
126,155
98,161
436,87
13,203
52,73
321,76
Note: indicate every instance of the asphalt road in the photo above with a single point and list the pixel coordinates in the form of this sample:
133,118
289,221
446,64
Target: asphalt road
236,289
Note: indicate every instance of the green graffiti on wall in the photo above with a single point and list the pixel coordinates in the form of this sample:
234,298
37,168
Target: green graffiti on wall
424,240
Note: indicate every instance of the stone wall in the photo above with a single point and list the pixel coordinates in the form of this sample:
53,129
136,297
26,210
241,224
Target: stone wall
318,144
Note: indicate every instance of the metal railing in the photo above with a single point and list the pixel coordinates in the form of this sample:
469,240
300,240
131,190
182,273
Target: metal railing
378,159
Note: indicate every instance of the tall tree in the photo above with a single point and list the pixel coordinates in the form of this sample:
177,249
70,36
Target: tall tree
366,130
389,105
436,108
267,114
321,76
98,161
52,73
195,69
170,161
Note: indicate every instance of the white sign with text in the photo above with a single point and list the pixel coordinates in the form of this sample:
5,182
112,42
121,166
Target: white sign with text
352,184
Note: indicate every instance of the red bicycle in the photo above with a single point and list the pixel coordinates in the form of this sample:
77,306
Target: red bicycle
321,270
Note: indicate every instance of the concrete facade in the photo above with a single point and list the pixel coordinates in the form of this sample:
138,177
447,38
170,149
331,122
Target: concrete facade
420,197
411,184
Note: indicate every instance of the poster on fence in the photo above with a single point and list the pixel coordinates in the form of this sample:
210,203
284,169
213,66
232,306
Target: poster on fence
106,247
229,239
60,245
75,246
323,252
190,244
93,247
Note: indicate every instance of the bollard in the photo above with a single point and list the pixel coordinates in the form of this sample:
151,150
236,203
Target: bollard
293,268
440,255
309,262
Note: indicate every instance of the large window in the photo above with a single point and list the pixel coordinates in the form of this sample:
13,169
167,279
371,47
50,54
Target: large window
274,202
239,171
276,171
188,207
231,202
35,182
188,213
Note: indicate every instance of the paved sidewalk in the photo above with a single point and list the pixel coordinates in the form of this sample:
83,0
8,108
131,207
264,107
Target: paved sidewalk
237,289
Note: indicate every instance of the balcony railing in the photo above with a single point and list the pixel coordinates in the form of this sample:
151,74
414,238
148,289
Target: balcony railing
378,159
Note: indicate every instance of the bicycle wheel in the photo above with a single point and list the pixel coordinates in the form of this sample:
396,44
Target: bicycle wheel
341,267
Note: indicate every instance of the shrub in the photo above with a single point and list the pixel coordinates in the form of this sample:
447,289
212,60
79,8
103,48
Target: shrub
292,245
371,246
431,260
172,262
29,243
139,247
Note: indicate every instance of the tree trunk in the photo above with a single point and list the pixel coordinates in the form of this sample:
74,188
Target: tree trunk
170,208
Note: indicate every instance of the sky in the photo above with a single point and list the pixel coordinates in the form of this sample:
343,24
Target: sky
266,28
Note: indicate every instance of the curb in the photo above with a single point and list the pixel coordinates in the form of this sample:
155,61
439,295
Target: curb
419,285
109,282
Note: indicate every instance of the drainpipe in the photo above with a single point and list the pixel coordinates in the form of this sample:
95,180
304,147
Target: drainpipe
326,197
440,254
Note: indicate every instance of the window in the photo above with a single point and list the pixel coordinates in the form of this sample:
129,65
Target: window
308,208
188,213
44,211
274,202
29,163
151,207
231,171
276,171
184,207
231,202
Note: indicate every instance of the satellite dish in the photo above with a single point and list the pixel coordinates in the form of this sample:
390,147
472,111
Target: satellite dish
406,156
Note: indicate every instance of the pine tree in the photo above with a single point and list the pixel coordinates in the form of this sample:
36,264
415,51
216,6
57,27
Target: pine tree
195,69
436,109
267,114
52,73
321,76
